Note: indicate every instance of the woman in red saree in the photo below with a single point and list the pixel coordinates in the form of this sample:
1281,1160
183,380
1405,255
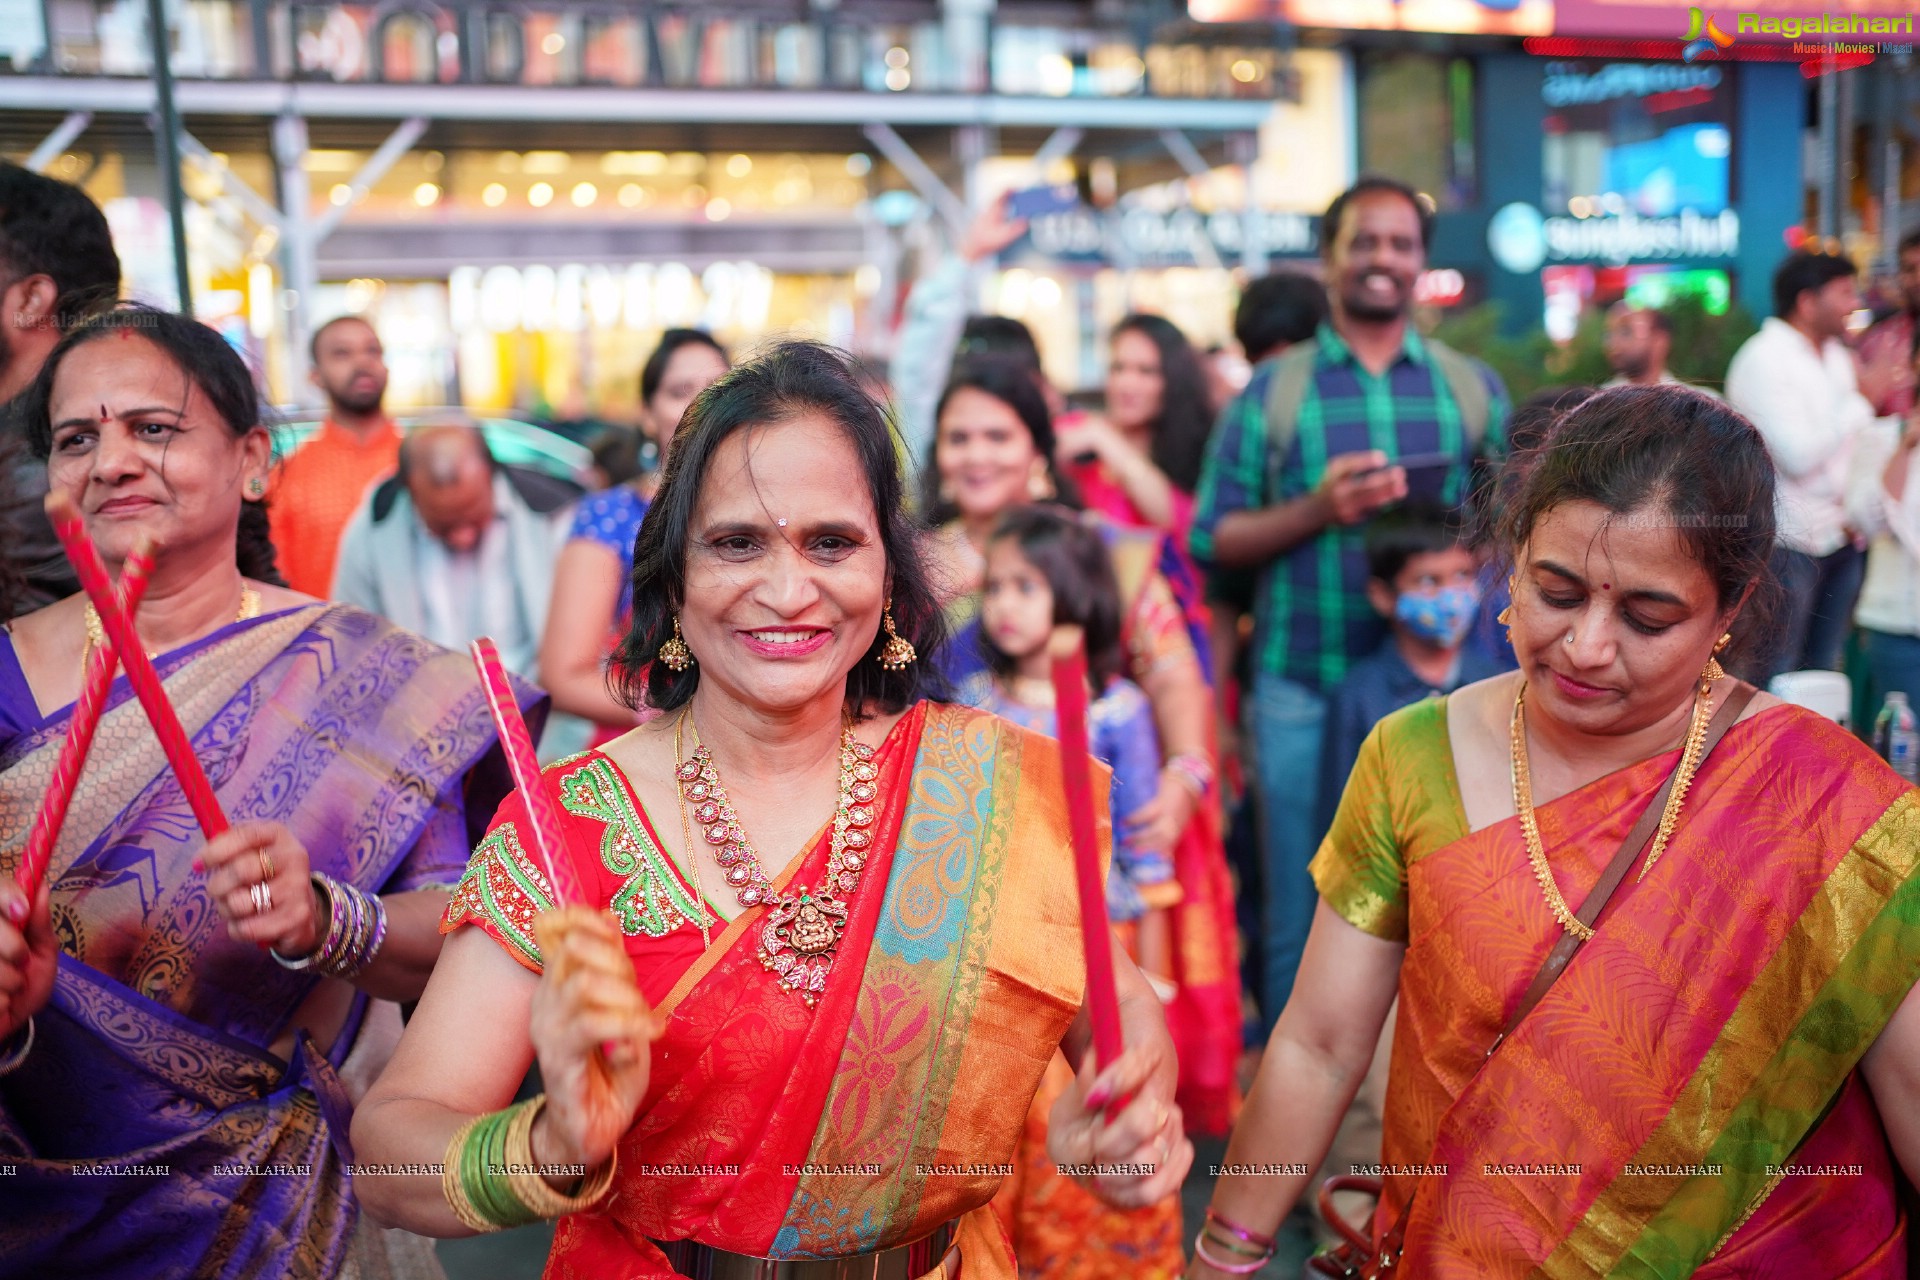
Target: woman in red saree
1725,1078
842,1072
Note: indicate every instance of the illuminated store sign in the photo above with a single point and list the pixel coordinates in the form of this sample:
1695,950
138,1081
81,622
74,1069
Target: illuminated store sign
1149,238
1522,240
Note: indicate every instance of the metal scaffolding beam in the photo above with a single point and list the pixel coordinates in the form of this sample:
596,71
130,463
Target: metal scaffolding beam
59,140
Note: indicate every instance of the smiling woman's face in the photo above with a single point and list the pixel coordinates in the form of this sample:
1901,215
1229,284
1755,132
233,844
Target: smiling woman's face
140,450
786,573
1613,617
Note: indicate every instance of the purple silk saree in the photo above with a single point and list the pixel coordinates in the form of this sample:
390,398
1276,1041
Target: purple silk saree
150,1132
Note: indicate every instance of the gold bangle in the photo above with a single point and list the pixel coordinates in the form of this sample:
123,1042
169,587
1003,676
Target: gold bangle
531,1190
454,1190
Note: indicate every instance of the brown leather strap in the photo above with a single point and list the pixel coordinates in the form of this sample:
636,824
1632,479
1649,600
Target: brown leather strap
1596,902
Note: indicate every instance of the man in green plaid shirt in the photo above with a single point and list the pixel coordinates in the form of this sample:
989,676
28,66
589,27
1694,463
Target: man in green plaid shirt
1376,414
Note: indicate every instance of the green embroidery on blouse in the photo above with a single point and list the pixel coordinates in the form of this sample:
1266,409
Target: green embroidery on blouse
654,899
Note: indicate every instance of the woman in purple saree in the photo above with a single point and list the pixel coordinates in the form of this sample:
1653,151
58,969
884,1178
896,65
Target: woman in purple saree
175,1105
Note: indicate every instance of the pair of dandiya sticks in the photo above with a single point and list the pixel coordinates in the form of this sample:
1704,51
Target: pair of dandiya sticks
122,645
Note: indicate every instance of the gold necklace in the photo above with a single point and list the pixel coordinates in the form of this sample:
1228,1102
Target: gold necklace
686,835
1669,816
97,632
802,933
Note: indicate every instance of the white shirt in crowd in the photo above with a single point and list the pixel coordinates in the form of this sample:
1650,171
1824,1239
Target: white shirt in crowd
471,593
1890,594
1808,408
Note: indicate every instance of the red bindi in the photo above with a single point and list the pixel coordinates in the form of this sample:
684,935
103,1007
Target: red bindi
103,413
1606,586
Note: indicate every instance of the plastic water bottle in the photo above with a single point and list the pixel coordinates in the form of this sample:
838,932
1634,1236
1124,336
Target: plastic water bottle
1896,737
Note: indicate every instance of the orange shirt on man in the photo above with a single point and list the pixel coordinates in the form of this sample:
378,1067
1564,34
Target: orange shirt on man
316,492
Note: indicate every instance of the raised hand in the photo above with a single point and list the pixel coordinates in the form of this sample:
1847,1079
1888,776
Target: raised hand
587,999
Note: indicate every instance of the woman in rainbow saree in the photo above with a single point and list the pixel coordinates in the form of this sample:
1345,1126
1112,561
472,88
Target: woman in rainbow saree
993,451
181,1109
1725,1079
842,1072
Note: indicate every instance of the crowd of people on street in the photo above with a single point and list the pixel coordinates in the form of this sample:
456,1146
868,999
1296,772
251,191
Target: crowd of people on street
1406,693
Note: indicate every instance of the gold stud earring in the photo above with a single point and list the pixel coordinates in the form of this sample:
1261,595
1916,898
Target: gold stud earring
675,652
256,488
1504,617
898,653
1040,484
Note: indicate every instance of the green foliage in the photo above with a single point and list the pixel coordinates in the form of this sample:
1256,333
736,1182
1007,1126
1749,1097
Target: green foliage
1703,346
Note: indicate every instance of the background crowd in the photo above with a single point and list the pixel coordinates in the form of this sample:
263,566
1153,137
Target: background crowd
1269,550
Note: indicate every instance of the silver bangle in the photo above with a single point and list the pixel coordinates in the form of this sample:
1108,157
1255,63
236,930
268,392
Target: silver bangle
306,961
14,1059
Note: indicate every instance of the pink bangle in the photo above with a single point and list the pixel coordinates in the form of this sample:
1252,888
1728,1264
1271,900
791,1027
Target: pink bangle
1232,1228
1228,1268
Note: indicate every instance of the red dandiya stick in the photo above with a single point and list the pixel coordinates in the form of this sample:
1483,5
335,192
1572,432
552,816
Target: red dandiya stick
87,708
92,572
1068,651
525,765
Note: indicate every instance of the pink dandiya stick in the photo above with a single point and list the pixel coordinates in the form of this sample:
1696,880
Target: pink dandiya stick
92,572
87,709
546,839
1068,651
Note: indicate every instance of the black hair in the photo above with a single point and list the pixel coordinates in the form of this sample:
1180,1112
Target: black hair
1673,449
1660,320
1911,240
215,367
1800,271
1008,380
1410,529
1278,310
313,343
1179,434
1370,184
654,372
1533,418
53,228
999,336
789,380
616,451
1073,558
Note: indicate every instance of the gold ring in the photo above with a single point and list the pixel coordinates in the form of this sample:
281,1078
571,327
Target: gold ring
262,897
266,866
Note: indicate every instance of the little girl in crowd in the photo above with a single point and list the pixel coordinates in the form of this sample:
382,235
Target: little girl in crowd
1043,568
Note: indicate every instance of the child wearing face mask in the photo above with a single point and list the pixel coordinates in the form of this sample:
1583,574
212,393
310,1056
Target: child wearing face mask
1422,578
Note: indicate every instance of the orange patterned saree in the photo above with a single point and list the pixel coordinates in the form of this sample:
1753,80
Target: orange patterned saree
892,1106
1684,1100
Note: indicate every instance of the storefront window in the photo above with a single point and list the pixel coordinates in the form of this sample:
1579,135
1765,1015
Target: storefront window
1649,139
1417,124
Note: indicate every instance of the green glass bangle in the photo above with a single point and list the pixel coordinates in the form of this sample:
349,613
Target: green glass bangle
490,1193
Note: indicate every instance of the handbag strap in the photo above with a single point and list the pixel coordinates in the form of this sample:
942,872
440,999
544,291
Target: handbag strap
1596,902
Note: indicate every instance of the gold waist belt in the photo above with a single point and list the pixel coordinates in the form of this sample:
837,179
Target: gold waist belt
906,1262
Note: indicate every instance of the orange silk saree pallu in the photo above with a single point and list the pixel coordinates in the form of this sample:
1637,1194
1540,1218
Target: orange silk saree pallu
893,1106
1683,1101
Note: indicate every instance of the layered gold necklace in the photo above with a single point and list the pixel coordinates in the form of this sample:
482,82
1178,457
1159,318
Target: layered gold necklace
1669,816
802,932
